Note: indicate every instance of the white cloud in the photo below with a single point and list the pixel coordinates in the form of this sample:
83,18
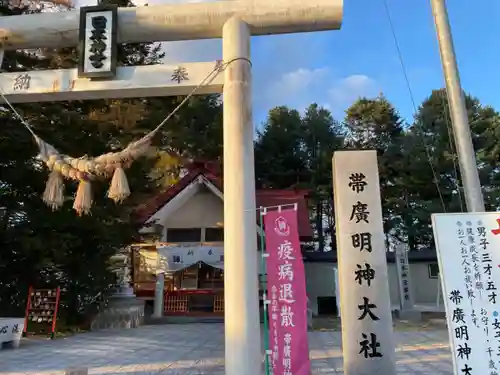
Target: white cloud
304,86
302,78
294,88
345,91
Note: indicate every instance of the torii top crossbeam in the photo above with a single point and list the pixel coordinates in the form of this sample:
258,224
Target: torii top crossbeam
177,22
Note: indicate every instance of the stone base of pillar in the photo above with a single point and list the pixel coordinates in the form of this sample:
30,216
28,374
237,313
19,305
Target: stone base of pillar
123,311
77,371
310,320
410,315
10,344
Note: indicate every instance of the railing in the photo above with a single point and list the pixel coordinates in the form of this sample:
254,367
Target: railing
219,303
195,302
176,303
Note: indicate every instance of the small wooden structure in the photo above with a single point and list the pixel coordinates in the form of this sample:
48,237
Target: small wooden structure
42,307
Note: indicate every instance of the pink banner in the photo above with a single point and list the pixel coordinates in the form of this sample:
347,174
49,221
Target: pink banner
286,288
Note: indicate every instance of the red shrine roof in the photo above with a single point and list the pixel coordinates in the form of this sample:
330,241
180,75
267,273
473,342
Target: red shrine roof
264,197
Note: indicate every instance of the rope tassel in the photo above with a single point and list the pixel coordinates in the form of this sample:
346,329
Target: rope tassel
53,196
119,189
84,169
83,198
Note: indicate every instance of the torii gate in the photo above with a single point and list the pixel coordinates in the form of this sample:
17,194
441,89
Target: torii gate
234,21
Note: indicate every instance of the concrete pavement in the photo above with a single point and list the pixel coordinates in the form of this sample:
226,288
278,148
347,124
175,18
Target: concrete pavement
198,349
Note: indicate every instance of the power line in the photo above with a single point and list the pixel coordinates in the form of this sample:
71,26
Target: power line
452,149
412,98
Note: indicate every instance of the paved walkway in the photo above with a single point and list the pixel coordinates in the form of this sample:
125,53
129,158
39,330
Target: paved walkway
196,349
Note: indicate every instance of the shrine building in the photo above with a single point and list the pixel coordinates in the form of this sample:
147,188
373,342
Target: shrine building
183,237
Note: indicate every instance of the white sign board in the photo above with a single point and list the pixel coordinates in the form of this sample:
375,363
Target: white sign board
469,261
11,329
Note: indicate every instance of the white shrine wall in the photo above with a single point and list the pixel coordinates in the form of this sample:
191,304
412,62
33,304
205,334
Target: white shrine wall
425,288
320,282
203,210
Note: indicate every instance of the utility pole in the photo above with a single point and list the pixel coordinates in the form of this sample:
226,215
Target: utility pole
456,103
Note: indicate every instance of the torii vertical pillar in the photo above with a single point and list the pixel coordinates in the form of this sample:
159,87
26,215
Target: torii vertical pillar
241,296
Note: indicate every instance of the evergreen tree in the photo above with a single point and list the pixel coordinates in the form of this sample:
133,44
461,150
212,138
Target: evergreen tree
376,124
296,151
433,182
279,157
44,248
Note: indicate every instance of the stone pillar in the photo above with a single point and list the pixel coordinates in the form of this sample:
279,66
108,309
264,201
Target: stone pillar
159,297
367,336
241,297
407,309
122,270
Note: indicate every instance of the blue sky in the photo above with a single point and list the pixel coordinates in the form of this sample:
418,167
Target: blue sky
361,58
334,68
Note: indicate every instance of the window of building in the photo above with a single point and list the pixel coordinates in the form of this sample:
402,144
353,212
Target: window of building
176,259
433,271
214,234
184,235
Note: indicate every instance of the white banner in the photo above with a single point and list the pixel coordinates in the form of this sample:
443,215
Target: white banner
469,262
175,258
